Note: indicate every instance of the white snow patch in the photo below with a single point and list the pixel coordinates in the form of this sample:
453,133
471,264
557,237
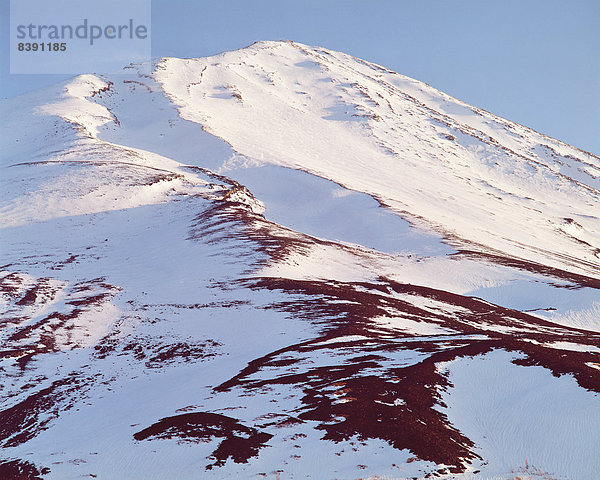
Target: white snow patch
518,414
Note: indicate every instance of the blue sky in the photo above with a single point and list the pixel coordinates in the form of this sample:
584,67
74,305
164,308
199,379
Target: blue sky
535,62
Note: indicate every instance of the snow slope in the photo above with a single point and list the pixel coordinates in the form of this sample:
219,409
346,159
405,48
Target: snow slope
286,262
374,131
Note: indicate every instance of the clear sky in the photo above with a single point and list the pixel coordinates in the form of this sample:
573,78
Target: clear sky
536,62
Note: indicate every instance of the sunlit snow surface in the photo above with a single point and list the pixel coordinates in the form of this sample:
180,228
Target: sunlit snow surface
285,262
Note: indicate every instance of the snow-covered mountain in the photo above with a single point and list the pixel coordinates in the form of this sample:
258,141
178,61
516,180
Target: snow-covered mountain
286,262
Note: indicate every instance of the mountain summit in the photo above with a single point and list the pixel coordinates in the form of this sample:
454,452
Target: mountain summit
287,262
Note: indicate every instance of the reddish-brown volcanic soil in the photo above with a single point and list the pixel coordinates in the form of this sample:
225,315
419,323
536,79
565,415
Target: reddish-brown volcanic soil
367,392
21,470
240,443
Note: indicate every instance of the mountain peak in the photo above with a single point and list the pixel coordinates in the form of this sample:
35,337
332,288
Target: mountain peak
356,123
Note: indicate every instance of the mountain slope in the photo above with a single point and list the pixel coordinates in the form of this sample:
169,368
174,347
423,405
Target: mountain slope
472,175
287,262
